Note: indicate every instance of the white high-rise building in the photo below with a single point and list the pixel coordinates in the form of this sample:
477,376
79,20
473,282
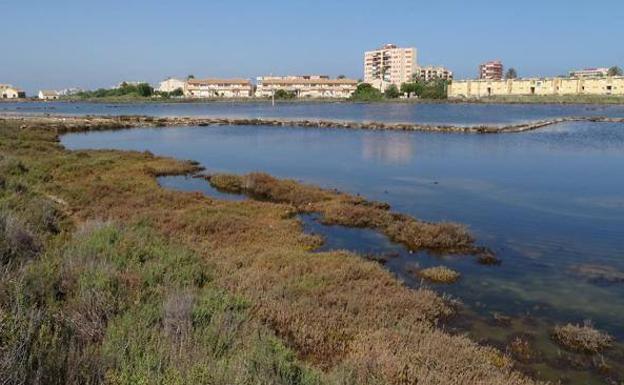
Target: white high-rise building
389,65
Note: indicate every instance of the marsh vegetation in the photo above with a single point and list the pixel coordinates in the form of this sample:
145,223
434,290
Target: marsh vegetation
110,279
582,338
351,211
436,274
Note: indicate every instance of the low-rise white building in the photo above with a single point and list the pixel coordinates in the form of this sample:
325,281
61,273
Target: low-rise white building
312,86
218,88
48,95
171,84
610,85
429,73
7,91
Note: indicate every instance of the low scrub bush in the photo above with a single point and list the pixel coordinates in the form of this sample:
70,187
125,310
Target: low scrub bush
581,338
227,183
17,243
437,274
120,305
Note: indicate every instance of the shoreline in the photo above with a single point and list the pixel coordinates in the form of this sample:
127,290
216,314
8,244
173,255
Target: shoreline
71,123
598,100
332,308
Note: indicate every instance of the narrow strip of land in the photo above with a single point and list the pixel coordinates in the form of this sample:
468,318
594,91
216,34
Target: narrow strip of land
80,123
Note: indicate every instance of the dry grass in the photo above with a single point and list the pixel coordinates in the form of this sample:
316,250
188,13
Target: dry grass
437,274
339,312
521,348
264,186
16,241
581,338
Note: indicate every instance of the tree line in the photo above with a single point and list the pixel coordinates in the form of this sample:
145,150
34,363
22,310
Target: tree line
432,89
140,90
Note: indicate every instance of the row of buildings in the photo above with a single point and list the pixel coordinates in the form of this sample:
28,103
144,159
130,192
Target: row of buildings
385,66
8,91
493,70
580,85
304,86
490,82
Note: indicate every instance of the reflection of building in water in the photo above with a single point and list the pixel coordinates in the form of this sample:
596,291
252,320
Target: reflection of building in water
391,149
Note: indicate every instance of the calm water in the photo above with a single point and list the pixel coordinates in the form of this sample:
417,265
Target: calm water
546,201
456,114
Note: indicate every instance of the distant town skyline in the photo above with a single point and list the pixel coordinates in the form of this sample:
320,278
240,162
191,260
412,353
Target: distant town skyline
70,43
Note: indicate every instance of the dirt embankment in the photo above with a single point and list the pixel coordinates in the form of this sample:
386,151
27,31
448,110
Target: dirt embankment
65,124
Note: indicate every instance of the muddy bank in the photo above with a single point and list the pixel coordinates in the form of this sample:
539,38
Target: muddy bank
64,124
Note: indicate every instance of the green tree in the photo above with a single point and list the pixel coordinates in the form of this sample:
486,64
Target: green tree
615,71
341,77
392,92
189,77
435,89
283,94
176,92
145,90
366,92
413,88
511,74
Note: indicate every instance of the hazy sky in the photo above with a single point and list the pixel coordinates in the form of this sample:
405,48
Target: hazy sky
65,43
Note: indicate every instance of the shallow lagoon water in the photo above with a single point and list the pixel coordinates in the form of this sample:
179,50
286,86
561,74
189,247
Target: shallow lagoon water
546,201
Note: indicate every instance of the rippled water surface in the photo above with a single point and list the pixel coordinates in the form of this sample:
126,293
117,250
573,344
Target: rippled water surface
549,202
455,114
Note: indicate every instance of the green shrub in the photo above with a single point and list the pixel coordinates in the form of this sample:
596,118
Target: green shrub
124,90
283,94
434,89
122,305
366,92
392,92
16,241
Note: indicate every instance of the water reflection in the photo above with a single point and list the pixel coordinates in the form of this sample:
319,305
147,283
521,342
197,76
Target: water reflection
386,149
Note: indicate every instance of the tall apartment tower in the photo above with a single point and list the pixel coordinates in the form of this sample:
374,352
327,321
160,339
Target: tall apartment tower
389,65
492,70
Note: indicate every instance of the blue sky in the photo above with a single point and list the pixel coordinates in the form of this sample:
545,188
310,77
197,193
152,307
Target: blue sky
63,43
